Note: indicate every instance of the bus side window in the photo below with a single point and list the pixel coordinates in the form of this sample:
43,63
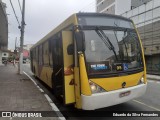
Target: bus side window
40,55
31,58
50,52
37,54
57,53
46,53
33,54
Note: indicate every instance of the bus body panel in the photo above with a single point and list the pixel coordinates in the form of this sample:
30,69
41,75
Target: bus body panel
145,73
46,75
115,83
78,103
106,99
85,88
69,91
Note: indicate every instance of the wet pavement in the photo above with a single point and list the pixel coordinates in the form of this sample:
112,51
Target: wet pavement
18,93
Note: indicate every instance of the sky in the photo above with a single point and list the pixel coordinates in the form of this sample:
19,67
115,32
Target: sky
42,16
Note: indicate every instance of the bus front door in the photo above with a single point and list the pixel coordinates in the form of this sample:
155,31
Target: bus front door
69,89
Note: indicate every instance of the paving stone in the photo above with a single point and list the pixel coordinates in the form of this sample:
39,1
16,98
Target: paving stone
18,92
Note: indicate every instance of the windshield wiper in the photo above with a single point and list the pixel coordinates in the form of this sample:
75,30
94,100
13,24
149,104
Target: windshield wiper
125,43
122,39
106,40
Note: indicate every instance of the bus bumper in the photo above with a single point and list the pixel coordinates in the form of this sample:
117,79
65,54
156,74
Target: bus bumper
106,99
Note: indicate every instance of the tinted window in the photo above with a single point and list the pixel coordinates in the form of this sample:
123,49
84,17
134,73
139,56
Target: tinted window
104,21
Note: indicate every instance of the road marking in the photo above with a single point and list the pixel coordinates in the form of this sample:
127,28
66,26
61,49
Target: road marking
153,81
40,89
30,78
54,107
48,98
146,105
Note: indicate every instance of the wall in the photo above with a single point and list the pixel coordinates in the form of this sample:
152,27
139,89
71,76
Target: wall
147,20
5,54
104,5
137,3
122,6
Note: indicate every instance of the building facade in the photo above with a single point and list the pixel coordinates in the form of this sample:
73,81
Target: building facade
3,29
137,3
27,46
146,16
113,6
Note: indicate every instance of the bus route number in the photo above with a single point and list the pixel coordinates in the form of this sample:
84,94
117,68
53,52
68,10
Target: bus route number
119,67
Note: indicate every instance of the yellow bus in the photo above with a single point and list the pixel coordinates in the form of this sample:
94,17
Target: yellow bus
92,60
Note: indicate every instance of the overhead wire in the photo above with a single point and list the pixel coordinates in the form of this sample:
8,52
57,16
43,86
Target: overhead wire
88,6
15,13
20,6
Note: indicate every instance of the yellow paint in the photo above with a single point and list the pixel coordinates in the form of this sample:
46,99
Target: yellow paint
69,90
46,75
145,76
115,83
85,87
68,61
77,88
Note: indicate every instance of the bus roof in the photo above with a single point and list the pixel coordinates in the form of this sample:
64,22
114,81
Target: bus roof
103,14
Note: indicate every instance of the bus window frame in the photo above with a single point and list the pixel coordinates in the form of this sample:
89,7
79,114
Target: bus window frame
40,55
44,48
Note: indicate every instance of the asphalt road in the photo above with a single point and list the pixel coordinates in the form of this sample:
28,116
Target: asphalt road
148,102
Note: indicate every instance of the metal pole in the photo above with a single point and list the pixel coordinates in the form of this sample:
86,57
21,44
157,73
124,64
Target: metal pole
16,43
20,68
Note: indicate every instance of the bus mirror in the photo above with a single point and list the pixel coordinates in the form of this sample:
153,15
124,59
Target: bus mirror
79,36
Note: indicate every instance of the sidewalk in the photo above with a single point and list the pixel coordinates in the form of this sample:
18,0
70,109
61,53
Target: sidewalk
153,77
18,93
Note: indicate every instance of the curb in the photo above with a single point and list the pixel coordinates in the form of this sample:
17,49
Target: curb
156,79
153,77
53,106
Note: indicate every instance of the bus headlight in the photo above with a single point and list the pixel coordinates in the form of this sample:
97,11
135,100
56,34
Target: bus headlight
141,81
95,88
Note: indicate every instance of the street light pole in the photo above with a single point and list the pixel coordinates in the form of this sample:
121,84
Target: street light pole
16,43
20,68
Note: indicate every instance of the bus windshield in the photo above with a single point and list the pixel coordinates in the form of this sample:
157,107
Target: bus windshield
112,51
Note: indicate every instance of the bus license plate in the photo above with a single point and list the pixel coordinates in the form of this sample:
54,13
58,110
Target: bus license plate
124,94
